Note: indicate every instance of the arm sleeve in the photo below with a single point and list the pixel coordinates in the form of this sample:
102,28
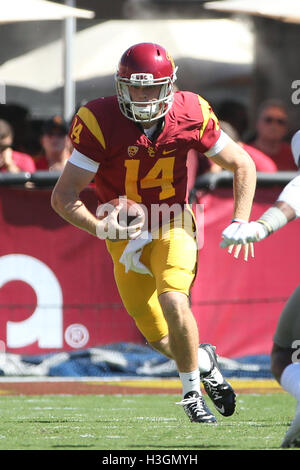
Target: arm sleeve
219,145
84,162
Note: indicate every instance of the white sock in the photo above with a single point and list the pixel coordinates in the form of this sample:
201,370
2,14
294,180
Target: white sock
204,361
190,382
290,380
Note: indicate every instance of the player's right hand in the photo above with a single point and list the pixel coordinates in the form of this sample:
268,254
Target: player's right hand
109,227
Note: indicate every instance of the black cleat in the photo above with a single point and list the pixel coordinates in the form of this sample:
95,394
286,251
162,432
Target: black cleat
196,409
217,388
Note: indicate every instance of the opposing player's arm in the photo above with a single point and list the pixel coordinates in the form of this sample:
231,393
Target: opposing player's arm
283,211
287,210
287,206
288,200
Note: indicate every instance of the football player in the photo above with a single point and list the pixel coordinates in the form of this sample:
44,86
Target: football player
284,356
135,143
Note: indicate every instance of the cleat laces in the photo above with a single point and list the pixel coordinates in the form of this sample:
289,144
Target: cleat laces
212,385
195,407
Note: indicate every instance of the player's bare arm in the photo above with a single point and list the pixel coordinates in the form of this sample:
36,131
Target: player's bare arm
233,158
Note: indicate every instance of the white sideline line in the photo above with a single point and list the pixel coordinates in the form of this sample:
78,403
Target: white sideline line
81,379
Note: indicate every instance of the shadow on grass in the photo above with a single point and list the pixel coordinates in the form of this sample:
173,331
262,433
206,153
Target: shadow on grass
72,446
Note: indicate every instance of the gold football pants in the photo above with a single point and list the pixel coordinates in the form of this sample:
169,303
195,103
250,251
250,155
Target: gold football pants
172,259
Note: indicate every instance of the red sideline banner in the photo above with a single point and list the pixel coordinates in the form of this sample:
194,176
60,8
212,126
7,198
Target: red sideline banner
57,291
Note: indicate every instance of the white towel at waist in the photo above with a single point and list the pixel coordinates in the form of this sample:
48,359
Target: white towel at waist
132,253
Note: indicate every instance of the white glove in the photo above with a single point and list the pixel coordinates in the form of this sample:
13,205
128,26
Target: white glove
233,236
237,234
253,232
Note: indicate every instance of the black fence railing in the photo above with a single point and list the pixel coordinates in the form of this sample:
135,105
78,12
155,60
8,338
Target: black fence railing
39,178
209,181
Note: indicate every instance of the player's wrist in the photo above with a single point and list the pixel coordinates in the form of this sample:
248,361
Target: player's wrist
238,221
101,230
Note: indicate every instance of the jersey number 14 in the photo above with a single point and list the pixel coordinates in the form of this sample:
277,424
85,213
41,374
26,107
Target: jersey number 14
160,175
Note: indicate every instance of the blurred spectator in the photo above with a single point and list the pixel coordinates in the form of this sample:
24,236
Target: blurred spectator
261,160
235,113
271,130
33,137
18,117
55,143
10,160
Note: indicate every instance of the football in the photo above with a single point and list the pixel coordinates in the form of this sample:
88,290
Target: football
131,212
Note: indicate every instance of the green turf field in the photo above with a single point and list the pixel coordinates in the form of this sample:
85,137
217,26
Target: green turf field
138,422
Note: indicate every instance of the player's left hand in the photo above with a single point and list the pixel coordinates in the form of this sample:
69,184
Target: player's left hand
233,237
245,248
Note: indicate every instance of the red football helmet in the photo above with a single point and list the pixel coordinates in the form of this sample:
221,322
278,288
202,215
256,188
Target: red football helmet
145,64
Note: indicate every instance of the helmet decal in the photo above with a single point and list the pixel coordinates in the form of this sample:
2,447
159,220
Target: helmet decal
171,60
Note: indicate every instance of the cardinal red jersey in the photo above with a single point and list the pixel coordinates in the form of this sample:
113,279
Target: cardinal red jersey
149,172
